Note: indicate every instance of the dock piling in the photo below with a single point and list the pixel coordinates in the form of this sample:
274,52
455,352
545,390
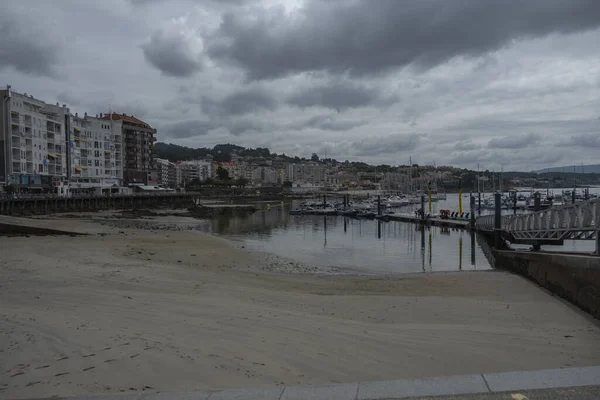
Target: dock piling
537,201
423,208
472,210
498,220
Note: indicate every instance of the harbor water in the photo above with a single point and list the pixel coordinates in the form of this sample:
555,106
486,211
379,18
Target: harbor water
352,245
366,246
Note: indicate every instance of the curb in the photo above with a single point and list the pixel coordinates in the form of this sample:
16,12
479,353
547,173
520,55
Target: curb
397,389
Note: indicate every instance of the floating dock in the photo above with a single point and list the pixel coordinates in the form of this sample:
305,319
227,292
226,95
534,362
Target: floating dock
452,223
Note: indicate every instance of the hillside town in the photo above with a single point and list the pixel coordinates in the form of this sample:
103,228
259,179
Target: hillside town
45,148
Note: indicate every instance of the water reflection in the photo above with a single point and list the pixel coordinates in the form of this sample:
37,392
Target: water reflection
365,245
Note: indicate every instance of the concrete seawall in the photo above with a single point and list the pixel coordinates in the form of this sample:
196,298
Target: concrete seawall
575,278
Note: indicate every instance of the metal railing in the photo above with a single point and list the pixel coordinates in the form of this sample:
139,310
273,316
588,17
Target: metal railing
574,221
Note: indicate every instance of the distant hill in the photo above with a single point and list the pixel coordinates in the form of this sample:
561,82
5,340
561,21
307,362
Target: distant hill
221,152
586,169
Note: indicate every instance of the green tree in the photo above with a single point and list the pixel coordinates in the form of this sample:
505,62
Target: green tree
314,157
223,174
241,182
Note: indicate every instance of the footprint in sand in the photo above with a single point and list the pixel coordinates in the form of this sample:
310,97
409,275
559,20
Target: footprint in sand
17,374
88,355
88,368
64,358
43,366
61,374
111,360
134,356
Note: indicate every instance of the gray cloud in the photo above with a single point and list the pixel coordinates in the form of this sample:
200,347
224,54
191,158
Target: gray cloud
465,146
68,98
24,47
243,126
360,38
515,141
329,123
241,102
385,145
186,129
339,96
172,55
591,139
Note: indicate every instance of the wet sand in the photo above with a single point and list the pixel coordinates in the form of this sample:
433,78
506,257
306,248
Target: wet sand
178,310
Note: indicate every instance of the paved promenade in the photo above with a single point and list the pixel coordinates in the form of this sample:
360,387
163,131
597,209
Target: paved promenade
573,383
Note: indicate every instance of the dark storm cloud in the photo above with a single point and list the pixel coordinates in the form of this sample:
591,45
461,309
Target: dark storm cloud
360,38
514,141
328,123
172,55
22,47
339,96
241,102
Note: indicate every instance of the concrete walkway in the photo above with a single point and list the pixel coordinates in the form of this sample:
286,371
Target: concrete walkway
509,385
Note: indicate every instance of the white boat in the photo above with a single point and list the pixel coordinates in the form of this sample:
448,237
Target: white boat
521,204
364,205
397,201
326,211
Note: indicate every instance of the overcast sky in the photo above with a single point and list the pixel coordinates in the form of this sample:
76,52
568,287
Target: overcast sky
508,83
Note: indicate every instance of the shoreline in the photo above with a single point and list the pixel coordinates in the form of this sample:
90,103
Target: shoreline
124,309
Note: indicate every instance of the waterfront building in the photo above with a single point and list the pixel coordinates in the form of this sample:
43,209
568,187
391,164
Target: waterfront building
264,176
139,156
33,145
168,174
195,169
95,153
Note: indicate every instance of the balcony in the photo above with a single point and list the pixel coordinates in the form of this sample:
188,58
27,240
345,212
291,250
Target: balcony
14,118
16,144
28,121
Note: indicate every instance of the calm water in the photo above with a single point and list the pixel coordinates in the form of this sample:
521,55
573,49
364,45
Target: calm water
357,245
364,245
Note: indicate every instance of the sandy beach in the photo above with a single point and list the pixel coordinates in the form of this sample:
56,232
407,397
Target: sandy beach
127,310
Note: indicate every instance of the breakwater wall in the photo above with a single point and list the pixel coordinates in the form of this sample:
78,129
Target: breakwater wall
50,205
575,278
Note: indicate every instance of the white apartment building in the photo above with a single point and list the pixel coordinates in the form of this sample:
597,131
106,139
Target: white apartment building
264,176
32,141
196,169
95,153
309,172
168,173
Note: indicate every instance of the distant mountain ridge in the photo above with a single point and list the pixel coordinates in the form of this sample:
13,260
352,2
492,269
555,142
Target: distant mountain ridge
586,169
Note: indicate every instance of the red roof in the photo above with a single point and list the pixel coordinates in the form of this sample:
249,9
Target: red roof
125,117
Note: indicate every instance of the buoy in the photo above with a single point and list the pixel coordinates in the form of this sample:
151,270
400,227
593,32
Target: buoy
282,204
268,206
